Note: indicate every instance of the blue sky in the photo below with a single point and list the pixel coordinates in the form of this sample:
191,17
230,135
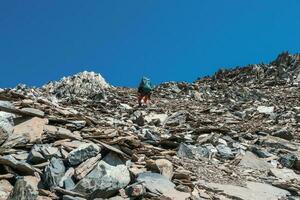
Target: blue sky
123,40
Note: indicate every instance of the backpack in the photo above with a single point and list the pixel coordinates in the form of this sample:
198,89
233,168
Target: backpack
145,85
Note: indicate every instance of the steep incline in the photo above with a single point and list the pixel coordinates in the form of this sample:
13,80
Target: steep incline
200,140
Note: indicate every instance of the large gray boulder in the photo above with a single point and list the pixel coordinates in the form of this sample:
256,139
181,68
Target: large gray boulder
54,172
82,153
104,181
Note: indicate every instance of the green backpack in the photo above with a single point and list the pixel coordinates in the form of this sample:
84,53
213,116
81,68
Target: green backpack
145,85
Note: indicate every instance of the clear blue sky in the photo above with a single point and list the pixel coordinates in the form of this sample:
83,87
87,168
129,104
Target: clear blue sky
43,40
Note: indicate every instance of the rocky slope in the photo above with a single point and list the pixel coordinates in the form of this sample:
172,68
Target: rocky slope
234,135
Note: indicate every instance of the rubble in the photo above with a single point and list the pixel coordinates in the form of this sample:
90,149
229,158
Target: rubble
234,135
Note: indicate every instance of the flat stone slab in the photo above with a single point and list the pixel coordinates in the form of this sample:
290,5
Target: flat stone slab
254,190
284,174
251,161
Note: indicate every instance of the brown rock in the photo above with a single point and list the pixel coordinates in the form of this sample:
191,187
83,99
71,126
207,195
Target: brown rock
84,168
5,189
29,131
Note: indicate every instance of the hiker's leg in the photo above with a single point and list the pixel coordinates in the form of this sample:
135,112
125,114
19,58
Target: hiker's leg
140,97
146,98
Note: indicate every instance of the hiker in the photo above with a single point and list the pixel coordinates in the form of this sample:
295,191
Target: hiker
144,90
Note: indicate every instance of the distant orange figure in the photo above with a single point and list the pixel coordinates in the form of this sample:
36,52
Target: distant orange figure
144,91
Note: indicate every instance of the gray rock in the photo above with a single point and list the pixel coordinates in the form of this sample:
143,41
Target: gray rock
138,118
253,190
284,174
25,188
82,153
42,152
185,151
104,181
6,122
288,160
156,118
284,134
265,109
293,198
297,164
113,159
278,143
66,181
22,167
68,197
34,111
260,152
249,160
54,172
159,184
224,151
211,149
176,118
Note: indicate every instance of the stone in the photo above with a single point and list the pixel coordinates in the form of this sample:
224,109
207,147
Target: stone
125,106
43,198
249,160
6,122
162,166
165,167
211,149
297,165
161,185
61,133
34,111
5,189
224,151
278,143
29,131
284,174
135,190
84,84
185,151
191,151
253,190
260,152
43,152
20,166
25,188
176,118
153,117
138,118
67,181
265,109
113,159
82,153
103,181
284,134
54,172
69,197
288,160
84,168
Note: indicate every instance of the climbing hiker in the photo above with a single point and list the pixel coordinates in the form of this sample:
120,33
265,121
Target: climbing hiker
144,90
